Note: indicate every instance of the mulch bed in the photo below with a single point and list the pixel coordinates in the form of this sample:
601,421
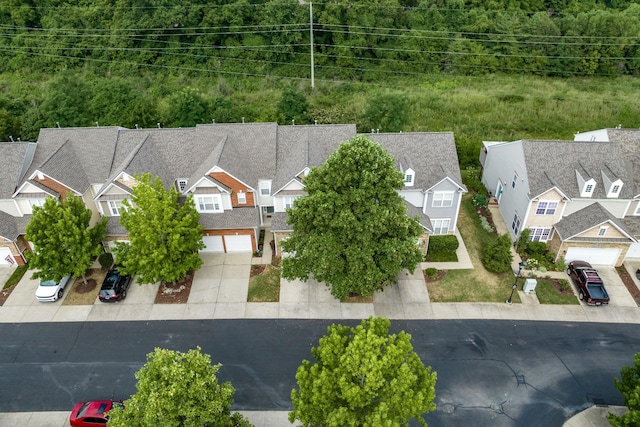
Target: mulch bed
256,269
178,293
4,294
83,288
629,283
440,274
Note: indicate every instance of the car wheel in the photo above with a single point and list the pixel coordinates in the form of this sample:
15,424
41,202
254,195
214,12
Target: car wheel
581,295
124,295
60,293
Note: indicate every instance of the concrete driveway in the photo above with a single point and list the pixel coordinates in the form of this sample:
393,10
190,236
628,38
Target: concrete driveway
618,293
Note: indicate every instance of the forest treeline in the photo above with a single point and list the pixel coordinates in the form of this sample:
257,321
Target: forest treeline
359,39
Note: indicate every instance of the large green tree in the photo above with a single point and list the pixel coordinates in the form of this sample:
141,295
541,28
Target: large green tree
64,242
351,230
178,389
164,235
629,386
363,376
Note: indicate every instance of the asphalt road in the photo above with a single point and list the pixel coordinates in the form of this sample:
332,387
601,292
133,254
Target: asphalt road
498,373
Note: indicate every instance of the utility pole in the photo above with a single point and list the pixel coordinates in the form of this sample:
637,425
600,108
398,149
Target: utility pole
313,81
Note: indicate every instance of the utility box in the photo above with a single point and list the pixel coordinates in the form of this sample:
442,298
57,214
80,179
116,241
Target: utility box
529,285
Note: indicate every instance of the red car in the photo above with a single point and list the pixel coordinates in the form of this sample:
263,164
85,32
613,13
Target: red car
93,413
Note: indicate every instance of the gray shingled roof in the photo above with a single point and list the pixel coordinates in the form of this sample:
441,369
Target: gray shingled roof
554,163
66,167
424,219
114,228
249,151
585,219
299,147
279,222
629,140
236,218
8,226
92,146
432,155
12,155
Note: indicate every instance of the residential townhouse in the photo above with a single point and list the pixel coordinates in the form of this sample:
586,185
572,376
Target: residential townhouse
573,195
241,176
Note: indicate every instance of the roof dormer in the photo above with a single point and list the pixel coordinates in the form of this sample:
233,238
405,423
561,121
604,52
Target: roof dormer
586,185
612,184
409,177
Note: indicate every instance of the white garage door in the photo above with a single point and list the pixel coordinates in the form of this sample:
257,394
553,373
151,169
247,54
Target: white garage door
6,259
212,244
594,256
634,251
238,243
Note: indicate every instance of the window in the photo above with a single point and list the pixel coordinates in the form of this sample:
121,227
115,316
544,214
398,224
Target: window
515,180
442,199
546,208
408,177
265,188
637,212
602,231
115,206
182,184
209,203
288,201
242,198
615,189
36,202
539,234
515,224
441,226
588,188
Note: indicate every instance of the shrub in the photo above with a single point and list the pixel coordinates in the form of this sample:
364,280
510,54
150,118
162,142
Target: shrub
479,200
560,264
564,284
431,272
105,259
471,178
496,256
523,241
444,243
536,249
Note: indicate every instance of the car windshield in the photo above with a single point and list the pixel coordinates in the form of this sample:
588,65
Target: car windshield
48,283
82,410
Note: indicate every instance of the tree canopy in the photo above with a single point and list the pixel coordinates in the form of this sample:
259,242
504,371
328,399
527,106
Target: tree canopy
64,242
178,389
164,235
351,231
363,376
629,386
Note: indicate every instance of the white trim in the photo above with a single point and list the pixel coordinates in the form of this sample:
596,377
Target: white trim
219,169
442,222
444,198
546,208
242,198
446,178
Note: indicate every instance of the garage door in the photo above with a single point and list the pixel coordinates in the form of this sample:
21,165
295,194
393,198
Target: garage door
212,244
595,256
238,243
634,251
6,259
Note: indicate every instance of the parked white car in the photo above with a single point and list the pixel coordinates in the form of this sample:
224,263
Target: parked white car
50,290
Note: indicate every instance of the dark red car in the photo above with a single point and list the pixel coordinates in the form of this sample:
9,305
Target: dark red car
92,413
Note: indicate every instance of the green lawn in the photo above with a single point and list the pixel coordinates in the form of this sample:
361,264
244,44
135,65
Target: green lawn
477,285
15,276
265,287
548,294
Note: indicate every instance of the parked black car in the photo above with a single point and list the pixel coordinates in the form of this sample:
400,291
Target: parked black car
115,286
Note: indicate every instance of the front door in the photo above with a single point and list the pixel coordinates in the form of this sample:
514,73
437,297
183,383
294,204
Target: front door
499,191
